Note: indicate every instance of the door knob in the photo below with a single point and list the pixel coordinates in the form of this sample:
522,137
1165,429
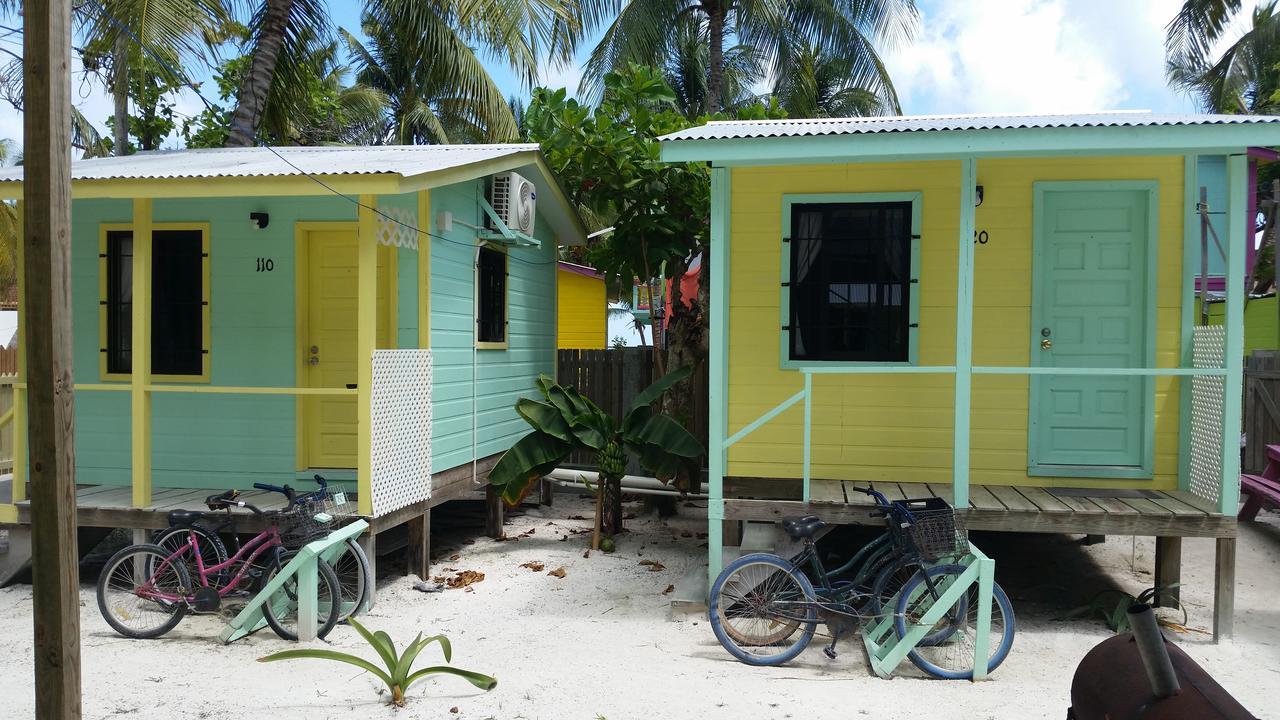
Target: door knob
1046,344
314,360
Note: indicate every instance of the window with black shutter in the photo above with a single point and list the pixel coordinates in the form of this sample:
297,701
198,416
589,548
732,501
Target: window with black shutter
491,279
177,302
850,280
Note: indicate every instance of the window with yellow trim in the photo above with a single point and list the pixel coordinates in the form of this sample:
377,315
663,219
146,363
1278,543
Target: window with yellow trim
179,302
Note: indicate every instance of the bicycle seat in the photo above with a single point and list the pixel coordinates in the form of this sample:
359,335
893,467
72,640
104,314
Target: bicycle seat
184,518
803,527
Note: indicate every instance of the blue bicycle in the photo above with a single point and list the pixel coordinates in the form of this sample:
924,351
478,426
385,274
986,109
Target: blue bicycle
765,609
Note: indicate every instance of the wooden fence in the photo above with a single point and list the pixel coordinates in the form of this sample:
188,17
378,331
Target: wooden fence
1261,408
612,378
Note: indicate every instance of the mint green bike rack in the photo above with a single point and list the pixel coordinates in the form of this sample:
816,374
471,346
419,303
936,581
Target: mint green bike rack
251,619
886,650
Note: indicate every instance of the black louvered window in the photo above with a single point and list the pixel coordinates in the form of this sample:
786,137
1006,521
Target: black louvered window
491,316
177,302
850,282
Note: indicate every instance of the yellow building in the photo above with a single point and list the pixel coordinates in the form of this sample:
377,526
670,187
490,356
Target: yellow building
998,311
582,309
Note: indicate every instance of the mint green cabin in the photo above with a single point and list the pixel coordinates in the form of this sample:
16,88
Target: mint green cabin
263,315
995,310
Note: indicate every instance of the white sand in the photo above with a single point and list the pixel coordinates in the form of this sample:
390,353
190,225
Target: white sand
598,643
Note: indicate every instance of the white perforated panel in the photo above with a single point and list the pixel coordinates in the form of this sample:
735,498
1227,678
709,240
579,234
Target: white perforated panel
401,442
1208,350
396,227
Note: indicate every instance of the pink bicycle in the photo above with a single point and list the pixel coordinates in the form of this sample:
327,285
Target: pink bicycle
145,590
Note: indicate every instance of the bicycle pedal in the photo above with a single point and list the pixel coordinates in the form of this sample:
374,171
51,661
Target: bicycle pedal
830,652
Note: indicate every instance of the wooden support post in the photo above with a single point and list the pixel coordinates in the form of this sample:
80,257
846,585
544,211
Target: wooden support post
964,332
369,544
366,343
1224,590
492,512
55,604
1168,571
1239,231
140,366
19,389
424,269
418,552
547,492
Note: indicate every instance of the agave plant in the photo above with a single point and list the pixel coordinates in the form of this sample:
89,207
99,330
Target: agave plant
565,421
399,673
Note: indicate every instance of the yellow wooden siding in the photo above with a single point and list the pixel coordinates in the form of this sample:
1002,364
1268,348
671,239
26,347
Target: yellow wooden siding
581,312
899,427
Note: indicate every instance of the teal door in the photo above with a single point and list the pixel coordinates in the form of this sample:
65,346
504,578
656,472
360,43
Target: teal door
1090,309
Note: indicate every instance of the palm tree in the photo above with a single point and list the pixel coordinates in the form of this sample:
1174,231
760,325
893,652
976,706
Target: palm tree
517,32
687,72
646,31
813,84
1197,26
424,104
8,230
1245,78
168,31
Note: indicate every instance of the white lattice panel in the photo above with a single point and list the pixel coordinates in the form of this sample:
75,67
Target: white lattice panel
401,442
396,227
1208,350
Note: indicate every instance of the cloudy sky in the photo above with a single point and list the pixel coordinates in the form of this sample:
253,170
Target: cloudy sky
992,56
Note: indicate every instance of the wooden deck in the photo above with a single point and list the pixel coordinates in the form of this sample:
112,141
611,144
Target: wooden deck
1014,509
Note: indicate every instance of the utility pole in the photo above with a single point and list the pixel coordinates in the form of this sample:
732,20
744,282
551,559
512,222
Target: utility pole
47,304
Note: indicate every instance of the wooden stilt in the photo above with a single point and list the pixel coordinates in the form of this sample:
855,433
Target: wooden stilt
547,492
1168,571
1224,589
492,512
369,544
419,550
46,258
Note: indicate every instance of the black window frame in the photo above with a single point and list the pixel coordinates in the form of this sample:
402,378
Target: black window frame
491,296
849,300
179,302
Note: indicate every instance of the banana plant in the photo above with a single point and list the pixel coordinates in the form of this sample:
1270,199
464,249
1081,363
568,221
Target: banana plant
399,674
565,421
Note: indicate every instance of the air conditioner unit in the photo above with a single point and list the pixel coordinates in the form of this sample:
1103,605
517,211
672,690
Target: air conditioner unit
513,199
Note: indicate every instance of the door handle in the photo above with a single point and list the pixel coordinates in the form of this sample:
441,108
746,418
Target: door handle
1045,344
314,360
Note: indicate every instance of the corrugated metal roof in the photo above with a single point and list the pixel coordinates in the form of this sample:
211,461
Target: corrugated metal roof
732,129
403,160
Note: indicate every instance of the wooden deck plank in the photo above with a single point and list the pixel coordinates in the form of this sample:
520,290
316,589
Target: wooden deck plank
1195,501
187,500
915,491
1112,505
1010,497
92,490
1044,501
1077,504
891,491
855,496
982,499
826,491
1146,507
942,490
1176,505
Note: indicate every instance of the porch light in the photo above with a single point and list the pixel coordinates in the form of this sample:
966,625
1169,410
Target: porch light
259,220
977,194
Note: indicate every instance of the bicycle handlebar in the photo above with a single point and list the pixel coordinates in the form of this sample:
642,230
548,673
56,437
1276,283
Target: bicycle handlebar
283,490
881,500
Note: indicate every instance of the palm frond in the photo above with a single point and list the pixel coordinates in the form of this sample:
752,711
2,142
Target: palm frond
1197,26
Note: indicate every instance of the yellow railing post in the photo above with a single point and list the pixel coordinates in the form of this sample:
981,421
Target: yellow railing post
366,341
140,354
19,388
424,269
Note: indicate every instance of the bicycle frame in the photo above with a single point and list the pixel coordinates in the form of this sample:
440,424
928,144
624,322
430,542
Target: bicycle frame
260,543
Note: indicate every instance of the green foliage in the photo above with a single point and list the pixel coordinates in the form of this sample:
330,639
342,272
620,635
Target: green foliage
1112,606
154,93
608,161
564,421
1244,77
398,674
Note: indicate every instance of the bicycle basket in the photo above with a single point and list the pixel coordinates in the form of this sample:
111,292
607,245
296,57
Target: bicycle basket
930,528
337,503
304,525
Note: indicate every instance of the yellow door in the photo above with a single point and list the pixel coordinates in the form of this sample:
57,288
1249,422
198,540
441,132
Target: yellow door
331,342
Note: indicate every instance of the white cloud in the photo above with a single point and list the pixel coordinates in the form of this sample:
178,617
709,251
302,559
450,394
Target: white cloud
1037,56
561,75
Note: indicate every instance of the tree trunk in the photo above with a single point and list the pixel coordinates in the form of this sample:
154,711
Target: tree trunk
257,83
716,16
686,347
120,94
611,520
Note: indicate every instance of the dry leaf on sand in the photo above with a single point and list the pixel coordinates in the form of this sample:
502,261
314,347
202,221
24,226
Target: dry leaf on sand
533,565
558,572
654,565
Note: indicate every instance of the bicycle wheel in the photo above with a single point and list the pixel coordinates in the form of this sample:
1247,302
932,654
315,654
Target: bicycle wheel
212,550
142,593
355,577
763,609
951,653
281,609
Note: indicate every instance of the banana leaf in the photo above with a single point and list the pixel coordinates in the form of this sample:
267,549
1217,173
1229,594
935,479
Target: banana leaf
519,468
545,417
671,436
659,386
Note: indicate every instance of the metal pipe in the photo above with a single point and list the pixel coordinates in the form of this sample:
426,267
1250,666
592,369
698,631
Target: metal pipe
1151,649
632,483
